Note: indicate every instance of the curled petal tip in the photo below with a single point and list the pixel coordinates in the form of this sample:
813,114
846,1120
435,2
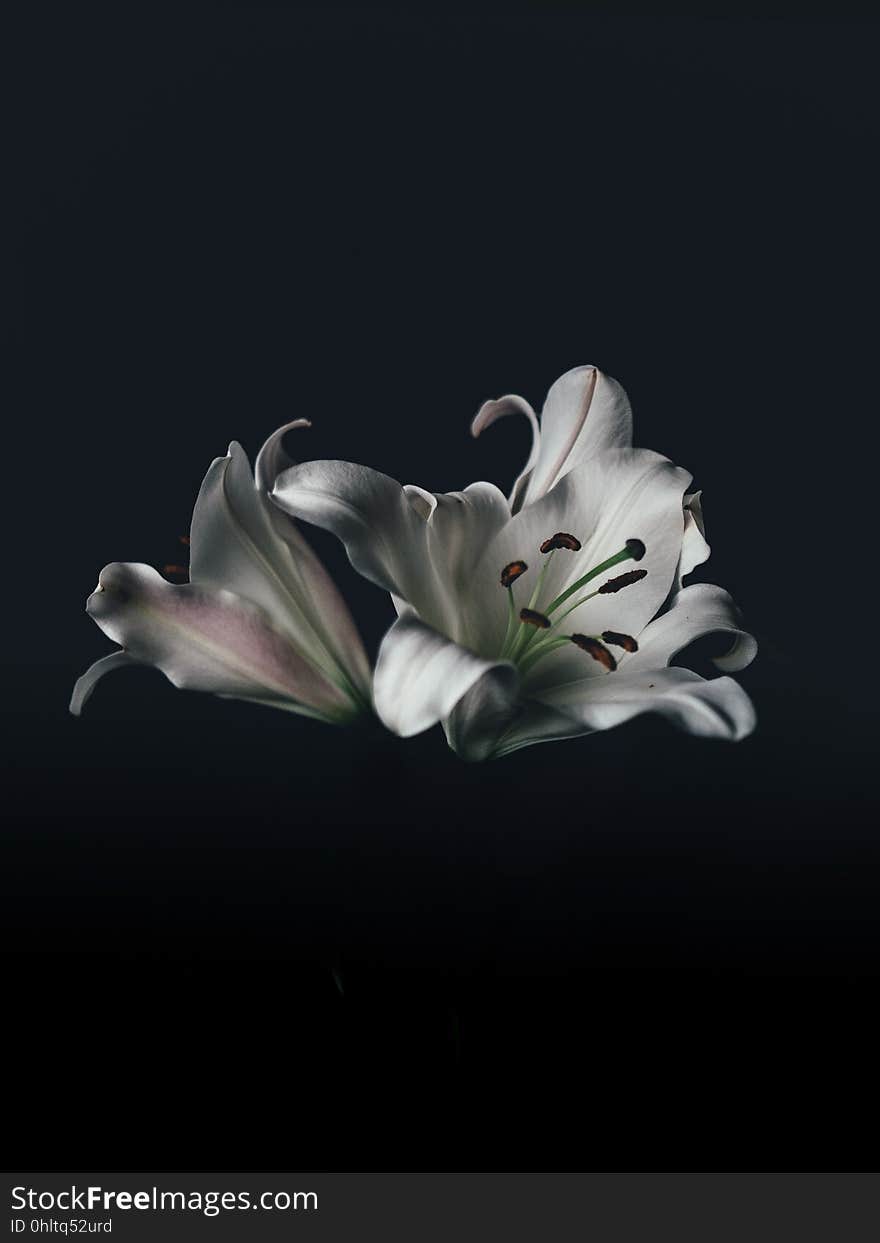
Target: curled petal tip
87,681
272,459
497,408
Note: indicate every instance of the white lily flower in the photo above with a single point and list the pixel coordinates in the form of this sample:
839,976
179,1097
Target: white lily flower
551,615
260,618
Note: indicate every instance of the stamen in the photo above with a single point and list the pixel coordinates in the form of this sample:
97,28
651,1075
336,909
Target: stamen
512,572
562,540
632,549
184,539
533,618
594,648
175,569
622,580
539,583
511,629
626,641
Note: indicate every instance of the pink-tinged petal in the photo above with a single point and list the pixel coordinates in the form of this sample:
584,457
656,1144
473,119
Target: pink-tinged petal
695,611
717,708
241,542
86,683
421,677
210,640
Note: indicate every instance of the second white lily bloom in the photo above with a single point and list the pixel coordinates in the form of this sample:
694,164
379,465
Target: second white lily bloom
260,618
553,614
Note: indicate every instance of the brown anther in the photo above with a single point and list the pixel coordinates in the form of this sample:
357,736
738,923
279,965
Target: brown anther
626,641
511,572
175,569
184,539
533,618
594,648
561,540
622,580
635,548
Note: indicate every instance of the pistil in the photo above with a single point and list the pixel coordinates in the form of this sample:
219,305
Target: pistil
633,550
509,575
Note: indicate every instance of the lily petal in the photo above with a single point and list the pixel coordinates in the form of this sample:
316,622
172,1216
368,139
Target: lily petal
714,708
241,542
421,677
585,413
209,639
483,716
86,683
536,722
420,547
694,548
489,413
272,458
694,611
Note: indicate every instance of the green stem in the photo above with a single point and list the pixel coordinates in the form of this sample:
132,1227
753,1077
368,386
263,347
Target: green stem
523,638
551,638
571,608
540,583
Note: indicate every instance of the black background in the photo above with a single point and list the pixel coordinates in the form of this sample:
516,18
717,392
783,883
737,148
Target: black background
636,950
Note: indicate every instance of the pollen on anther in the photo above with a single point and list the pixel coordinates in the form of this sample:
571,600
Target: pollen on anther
533,618
561,540
622,580
635,548
594,648
512,572
626,641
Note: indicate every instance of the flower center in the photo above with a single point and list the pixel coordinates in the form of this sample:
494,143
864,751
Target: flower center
533,632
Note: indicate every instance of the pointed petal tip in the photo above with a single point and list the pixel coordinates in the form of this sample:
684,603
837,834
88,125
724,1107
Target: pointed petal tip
235,448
